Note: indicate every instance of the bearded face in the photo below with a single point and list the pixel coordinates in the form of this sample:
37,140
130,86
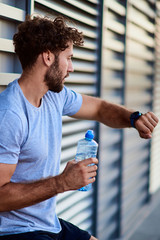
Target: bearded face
60,69
54,78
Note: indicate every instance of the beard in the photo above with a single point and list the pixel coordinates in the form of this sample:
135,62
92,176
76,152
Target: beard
54,77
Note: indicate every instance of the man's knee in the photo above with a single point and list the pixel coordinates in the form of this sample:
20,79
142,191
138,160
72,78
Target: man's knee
93,238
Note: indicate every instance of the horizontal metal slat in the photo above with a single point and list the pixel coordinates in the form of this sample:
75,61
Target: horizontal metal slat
6,78
6,45
13,13
113,96
141,54
110,211
70,197
129,189
139,35
90,44
82,78
88,90
135,99
115,26
140,19
82,217
89,32
136,196
108,232
113,64
140,176
107,199
83,54
110,136
94,1
114,45
84,66
112,82
139,66
116,7
66,11
72,210
130,217
7,28
71,139
83,6
139,81
144,7
67,154
78,125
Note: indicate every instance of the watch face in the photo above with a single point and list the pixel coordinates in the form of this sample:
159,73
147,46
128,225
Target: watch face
136,115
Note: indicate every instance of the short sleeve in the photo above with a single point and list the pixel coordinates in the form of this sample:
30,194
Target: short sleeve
72,102
10,137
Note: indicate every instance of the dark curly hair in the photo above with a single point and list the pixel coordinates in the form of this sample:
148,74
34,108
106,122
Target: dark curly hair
40,34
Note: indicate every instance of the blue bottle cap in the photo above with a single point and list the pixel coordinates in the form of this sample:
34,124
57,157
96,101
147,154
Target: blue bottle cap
89,134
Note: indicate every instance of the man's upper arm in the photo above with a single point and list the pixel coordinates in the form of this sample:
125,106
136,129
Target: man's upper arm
89,109
6,172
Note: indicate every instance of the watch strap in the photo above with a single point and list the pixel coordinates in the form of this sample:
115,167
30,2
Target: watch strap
134,116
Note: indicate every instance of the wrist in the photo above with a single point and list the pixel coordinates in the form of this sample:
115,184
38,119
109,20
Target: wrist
133,117
60,184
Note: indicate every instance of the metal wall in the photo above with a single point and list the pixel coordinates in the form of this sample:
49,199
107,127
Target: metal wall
112,89
128,62
76,207
140,61
155,153
121,63
11,13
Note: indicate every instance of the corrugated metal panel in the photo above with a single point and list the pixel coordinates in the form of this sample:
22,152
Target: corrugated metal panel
113,68
155,153
138,95
77,207
11,13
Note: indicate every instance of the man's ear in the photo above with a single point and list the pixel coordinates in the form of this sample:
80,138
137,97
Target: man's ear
48,58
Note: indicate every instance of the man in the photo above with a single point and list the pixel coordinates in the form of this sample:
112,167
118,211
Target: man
31,110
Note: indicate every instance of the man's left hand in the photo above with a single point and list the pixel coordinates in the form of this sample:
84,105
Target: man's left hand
146,124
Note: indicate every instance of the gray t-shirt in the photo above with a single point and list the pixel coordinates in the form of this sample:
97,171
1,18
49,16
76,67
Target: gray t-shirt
31,138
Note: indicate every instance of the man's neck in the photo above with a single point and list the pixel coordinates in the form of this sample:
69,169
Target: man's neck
33,86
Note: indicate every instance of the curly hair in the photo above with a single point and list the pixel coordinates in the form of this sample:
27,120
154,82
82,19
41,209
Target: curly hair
40,34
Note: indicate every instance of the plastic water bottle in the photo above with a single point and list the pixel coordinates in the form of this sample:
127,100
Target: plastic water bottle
86,148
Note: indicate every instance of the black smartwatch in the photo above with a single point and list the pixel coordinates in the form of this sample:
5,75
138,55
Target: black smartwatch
134,116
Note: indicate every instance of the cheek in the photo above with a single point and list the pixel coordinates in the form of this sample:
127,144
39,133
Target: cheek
64,66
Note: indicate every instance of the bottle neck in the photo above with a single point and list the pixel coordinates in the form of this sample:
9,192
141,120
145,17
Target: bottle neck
88,139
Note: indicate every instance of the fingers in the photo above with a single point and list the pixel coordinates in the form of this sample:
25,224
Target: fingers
146,124
88,170
92,168
89,161
150,120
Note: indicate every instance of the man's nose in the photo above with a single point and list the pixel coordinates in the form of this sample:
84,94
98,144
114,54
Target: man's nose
70,67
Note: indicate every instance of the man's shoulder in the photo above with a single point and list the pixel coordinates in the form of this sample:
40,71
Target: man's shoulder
9,99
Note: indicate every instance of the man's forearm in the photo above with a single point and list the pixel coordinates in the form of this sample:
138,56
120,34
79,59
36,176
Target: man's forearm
19,195
113,115
110,114
75,175
117,116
